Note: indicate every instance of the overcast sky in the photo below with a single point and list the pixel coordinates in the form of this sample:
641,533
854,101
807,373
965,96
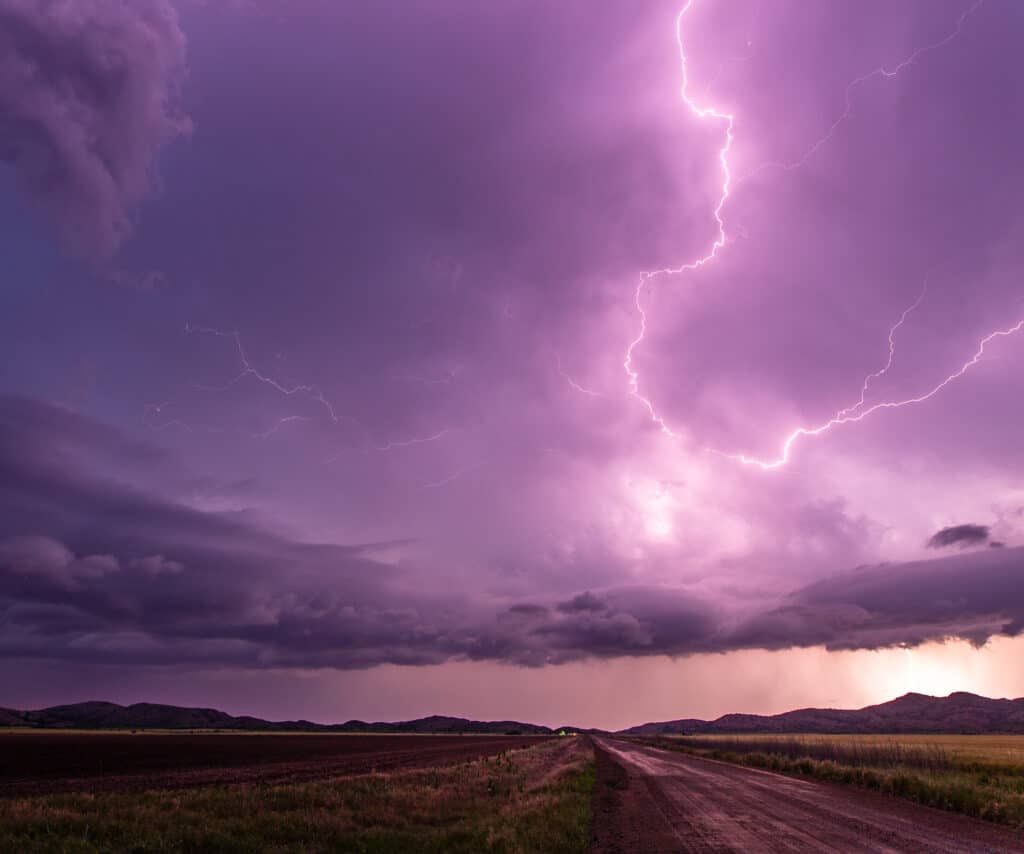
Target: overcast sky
534,360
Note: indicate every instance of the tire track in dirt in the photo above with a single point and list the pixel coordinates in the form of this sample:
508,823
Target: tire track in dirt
659,801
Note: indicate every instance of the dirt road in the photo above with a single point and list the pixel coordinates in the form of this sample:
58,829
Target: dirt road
654,800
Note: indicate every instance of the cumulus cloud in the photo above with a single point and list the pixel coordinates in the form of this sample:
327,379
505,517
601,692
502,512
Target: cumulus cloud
87,96
963,535
43,557
156,565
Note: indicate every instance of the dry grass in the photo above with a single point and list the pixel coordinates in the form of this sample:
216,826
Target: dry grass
532,800
999,749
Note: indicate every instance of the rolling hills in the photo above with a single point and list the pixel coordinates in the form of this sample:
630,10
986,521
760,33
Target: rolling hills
101,715
961,713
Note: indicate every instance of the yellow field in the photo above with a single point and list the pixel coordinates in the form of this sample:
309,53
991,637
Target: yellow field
1007,749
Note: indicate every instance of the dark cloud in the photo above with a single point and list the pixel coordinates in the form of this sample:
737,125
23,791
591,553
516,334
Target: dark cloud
526,609
964,535
973,596
92,561
583,602
86,99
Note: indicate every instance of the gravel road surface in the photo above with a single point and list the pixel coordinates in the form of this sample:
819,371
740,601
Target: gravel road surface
656,801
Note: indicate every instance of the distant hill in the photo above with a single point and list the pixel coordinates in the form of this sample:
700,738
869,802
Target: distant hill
441,724
912,713
99,715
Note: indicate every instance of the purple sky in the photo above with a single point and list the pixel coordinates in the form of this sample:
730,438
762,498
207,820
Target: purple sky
312,337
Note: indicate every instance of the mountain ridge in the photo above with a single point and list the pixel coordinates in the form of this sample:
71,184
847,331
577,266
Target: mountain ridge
958,713
98,714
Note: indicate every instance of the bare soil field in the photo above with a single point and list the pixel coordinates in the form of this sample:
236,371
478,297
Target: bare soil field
655,800
44,763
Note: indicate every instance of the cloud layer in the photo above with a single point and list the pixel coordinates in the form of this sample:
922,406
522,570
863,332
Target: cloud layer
103,568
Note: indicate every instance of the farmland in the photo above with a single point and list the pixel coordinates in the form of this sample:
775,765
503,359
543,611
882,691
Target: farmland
44,763
219,792
294,793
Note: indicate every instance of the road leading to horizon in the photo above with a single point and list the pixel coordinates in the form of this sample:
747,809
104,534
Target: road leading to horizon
662,801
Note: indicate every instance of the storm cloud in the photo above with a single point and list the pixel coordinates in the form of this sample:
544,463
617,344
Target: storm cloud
108,569
87,97
435,438
973,597
963,535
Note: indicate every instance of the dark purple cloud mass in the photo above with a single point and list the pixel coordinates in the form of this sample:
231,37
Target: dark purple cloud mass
392,399
87,92
963,535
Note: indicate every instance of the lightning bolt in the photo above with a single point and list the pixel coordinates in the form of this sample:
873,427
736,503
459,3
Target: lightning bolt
702,113
312,392
438,484
408,443
391,446
857,82
888,364
850,415
308,391
287,419
575,386
856,412
152,410
447,377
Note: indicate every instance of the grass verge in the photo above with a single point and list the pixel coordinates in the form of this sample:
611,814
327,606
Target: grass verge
532,800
